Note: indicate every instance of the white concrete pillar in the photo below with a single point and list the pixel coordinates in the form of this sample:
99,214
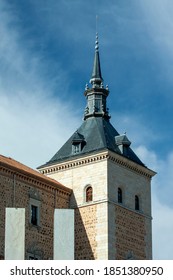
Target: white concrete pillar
64,234
15,234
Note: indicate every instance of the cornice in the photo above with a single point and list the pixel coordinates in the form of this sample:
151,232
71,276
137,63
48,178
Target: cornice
36,182
88,159
77,162
133,166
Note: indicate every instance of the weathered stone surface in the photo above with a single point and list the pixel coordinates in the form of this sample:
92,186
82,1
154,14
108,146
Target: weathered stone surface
64,234
15,234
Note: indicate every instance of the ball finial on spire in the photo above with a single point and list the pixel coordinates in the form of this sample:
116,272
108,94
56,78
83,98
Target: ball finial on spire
96,42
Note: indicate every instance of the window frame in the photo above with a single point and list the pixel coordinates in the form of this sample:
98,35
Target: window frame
36,204
88,198
137,203
34,215
76,148
120,195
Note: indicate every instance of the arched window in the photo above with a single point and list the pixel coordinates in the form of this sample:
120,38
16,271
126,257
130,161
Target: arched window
120,196
136,202
89,194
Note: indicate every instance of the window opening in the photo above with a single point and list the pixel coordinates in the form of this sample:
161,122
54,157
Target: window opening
76,148
136,202
34,215
89,194
33,258
120,197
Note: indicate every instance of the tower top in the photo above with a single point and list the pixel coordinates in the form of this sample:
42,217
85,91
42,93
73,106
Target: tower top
96,132
96,95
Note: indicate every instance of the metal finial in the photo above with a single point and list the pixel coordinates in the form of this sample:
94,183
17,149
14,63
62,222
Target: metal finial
96,42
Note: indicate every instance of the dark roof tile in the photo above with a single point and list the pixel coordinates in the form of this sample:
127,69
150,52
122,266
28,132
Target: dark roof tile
98,135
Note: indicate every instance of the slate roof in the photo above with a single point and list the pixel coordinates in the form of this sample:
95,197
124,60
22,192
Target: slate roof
97,134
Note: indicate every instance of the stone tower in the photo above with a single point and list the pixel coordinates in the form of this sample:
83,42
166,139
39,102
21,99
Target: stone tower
111,186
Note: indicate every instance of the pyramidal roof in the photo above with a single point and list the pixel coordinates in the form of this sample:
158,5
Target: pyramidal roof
96,133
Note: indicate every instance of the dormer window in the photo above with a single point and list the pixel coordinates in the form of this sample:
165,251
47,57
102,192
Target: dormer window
78,142
123,143
76,148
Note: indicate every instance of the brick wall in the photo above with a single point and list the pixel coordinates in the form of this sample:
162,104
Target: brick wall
16,192
130,232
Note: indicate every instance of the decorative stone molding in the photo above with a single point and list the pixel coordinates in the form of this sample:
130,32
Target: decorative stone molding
73,163
121,160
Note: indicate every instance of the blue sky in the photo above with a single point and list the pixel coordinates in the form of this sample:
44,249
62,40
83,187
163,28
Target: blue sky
46,58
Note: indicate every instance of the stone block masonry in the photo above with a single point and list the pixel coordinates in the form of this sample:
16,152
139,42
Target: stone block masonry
105,228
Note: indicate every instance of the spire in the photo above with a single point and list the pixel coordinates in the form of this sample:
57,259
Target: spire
96,95
96,78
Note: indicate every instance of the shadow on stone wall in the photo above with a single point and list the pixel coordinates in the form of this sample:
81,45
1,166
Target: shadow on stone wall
83,249
85,231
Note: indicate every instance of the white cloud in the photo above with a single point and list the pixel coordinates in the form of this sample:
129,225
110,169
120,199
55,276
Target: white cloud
162,230
33,129
138,130
33,122
159,24
164,178
162,202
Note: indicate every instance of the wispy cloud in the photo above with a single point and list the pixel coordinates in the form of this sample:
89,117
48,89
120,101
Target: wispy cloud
162,230
31,117
163,181
159,24
162,201
137,128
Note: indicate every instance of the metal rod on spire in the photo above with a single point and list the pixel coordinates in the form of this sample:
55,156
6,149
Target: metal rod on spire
96,24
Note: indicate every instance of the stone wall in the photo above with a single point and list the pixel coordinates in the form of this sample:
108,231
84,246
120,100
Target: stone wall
91,218
85,233
106,172
131,183
77,174
132,228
